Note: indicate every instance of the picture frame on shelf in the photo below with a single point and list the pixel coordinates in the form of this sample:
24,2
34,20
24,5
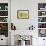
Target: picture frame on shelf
22,14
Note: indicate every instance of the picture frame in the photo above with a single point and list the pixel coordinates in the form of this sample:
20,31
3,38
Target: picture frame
23,14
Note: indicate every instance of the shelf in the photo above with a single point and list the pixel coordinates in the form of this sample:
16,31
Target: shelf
41,22
41,28
42,37
41,10
3,10
3,16
3,22
42,16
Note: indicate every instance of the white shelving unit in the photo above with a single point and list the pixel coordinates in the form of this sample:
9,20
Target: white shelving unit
3,12
42,10
42,18
4,23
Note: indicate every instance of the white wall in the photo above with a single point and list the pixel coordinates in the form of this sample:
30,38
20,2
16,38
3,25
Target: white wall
32,6
23,24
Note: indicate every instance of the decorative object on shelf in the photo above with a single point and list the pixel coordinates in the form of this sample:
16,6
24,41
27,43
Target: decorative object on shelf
41,6
0,7
4,29
23,14
4,26
45,7
3,19
3,13
31,27
41,19
6,7
40,25
43,13
13,27
42,32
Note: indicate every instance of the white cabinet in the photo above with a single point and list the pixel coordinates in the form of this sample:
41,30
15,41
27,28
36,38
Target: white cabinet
42,19
41,41
3,40
41,24
4,21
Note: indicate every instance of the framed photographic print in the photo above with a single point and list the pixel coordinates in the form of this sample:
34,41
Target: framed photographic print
23,14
